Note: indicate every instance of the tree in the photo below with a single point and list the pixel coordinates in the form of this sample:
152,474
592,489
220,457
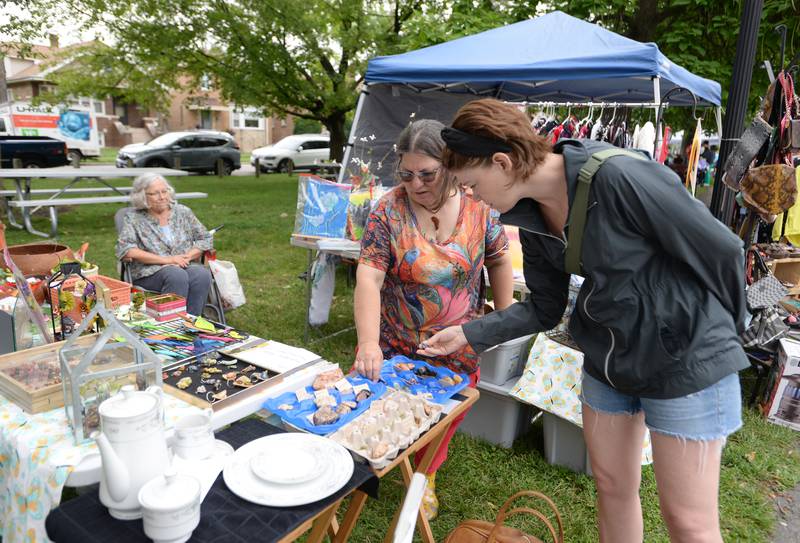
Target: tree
699,35
305,59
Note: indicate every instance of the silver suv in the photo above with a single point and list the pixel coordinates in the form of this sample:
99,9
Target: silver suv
195,151
298,152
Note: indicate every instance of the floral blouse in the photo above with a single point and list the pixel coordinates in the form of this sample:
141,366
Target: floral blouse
429,285
141,230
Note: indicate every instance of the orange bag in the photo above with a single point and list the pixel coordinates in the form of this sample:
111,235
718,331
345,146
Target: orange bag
481,531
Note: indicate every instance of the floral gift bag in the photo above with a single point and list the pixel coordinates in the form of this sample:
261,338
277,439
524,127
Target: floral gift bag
552,382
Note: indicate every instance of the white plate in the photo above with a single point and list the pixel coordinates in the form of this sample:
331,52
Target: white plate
285,466
335,461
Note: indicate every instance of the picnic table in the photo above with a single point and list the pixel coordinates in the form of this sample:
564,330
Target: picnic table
22,197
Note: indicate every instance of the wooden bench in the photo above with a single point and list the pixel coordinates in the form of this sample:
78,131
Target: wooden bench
32,205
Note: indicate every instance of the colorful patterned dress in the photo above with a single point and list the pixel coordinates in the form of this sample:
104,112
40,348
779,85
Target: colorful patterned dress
429,285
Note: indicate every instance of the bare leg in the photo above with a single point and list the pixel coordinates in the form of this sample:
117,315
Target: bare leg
687,474
615,451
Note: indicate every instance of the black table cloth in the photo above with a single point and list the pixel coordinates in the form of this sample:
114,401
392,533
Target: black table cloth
224,516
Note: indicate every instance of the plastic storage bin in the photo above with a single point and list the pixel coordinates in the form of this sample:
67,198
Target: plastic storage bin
564,444
505,361
497,417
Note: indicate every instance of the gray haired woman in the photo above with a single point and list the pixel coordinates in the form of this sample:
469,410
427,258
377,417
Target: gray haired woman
162,239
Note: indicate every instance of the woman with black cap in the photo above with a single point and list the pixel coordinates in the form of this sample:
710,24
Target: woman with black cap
657,318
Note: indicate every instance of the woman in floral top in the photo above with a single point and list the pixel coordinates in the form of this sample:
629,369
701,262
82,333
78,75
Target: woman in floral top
161,239
422,258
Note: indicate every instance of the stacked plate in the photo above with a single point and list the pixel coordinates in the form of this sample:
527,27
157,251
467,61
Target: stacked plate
286,470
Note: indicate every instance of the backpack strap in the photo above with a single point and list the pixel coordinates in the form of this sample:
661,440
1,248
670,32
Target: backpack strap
577,214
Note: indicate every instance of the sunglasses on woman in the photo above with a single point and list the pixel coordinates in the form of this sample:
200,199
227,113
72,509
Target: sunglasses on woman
426,176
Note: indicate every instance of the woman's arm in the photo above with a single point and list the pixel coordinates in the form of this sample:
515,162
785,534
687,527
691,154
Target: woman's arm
367,308
501,279
146,257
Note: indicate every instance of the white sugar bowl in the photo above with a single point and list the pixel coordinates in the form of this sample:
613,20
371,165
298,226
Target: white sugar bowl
171,507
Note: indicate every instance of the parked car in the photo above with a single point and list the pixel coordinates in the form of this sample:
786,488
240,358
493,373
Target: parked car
32,151
298,152
196,151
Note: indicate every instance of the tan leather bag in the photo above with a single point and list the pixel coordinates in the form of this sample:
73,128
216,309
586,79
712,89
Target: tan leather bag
770,189
481,531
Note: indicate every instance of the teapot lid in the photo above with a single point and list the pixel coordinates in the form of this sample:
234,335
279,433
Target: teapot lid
169,492
128,403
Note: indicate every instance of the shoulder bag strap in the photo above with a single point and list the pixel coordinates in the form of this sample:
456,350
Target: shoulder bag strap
577,214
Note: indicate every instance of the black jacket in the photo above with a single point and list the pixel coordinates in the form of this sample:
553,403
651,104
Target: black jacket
663,303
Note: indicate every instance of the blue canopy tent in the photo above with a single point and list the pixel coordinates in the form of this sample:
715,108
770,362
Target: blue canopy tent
552,58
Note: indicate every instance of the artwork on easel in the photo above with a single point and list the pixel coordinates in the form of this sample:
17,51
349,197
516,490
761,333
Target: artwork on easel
321,207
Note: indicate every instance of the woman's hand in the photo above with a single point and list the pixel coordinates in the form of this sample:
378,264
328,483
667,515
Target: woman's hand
179,260
369,361
445,342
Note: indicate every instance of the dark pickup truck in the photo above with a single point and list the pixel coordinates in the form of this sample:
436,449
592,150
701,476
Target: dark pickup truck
32,151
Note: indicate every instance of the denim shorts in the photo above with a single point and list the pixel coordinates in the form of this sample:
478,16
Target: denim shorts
709,414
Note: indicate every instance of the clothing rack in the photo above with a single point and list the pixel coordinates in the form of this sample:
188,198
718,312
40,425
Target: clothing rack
597,104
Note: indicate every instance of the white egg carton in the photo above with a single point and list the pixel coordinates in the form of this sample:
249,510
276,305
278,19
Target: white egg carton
392,422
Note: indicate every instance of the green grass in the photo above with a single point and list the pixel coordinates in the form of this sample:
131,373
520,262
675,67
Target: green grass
760,459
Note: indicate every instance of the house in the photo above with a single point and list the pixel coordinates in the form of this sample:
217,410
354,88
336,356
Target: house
26,73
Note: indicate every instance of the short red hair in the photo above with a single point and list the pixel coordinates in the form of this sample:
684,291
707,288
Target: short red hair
497,120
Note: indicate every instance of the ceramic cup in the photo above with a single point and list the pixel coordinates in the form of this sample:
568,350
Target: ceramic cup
194,438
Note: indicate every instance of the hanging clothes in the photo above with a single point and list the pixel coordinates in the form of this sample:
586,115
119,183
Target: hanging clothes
694,158
663,152
647,138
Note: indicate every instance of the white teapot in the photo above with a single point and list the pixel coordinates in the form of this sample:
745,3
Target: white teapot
133,448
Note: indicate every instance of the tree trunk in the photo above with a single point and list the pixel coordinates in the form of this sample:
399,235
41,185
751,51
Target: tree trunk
644,22
335,125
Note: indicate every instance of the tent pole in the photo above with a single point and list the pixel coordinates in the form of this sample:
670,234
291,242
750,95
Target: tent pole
657,104
352,139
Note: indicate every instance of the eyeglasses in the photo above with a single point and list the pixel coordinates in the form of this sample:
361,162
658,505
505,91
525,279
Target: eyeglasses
158,193
426,176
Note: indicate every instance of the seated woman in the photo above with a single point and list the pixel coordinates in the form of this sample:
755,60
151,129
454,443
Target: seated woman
161,239
422,258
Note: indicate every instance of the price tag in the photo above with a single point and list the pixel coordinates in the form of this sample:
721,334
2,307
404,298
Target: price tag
343,385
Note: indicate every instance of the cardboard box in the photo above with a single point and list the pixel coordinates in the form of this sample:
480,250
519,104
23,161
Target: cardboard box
787,270
783,406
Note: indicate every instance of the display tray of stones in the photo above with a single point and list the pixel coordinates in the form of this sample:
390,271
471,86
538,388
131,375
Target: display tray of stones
329,403
434,383
389,425
212,377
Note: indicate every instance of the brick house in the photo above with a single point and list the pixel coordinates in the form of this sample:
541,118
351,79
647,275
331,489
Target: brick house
24,76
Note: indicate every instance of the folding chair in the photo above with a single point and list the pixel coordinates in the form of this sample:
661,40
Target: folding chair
214,301
407,521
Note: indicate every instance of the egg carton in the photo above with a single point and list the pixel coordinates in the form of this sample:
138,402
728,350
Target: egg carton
391,424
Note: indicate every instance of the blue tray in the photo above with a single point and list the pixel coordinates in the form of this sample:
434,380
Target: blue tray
416,384
298,415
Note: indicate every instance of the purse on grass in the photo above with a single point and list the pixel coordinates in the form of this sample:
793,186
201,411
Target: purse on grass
481,531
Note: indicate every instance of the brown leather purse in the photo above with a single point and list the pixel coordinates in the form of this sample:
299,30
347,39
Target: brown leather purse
770,189
481,531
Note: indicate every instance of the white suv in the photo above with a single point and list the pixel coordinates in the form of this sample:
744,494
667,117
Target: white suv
300,151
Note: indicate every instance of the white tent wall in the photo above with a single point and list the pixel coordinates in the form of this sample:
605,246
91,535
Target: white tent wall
383,113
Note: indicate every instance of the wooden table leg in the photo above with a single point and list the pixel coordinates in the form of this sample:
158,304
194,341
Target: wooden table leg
351,516
321,524
333,529
422,522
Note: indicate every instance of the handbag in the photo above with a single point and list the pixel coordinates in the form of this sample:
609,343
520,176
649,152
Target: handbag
750,143
770,189
481,531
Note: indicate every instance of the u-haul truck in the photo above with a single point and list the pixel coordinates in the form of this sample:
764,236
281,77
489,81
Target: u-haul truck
75,126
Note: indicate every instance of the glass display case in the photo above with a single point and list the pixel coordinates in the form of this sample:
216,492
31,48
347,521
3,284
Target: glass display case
96,371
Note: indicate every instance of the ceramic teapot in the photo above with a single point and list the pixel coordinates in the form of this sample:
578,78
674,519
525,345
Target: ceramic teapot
133,448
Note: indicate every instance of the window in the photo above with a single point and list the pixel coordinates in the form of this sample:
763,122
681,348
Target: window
10,95
46,89
206,141
283,122
100,107
247,120
2,125
186,143
205,82
313,144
